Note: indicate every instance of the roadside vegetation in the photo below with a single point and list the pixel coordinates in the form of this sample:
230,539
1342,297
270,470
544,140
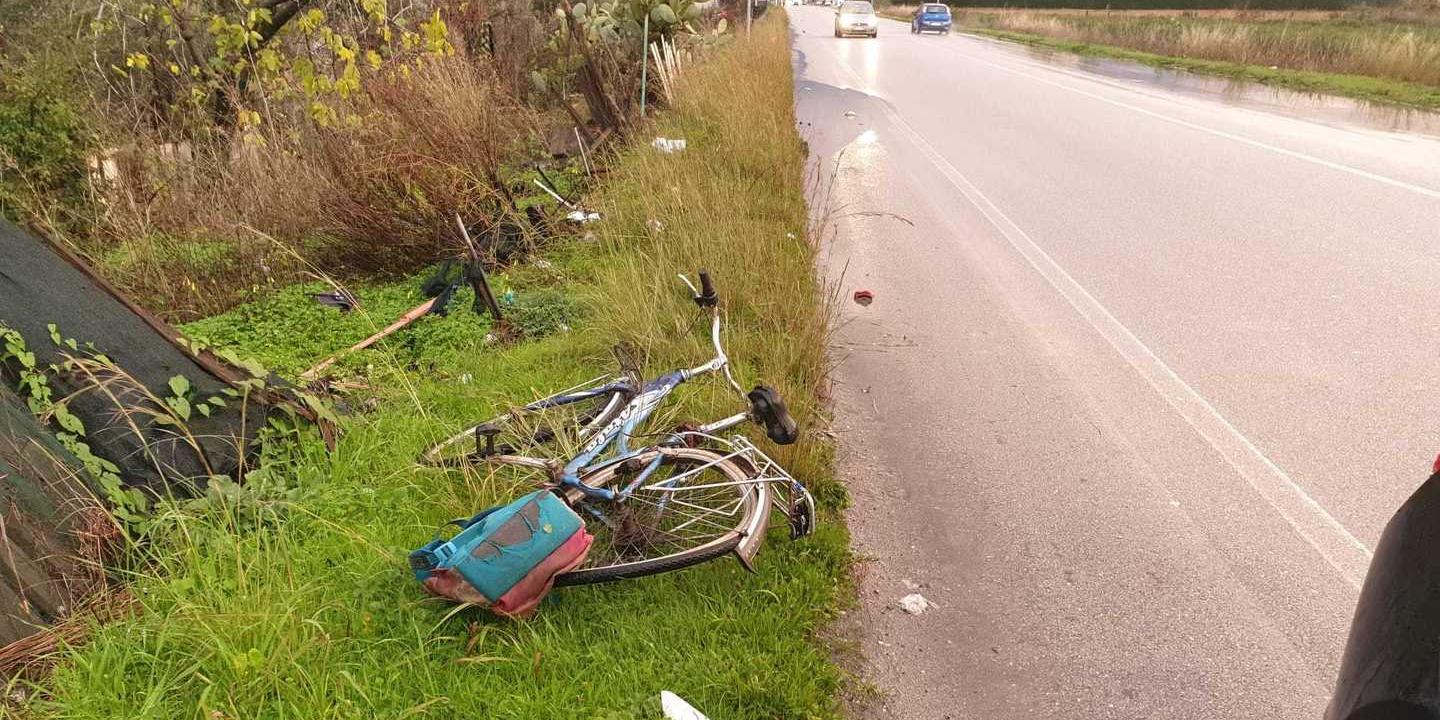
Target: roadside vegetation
204,153
1389,54
291,596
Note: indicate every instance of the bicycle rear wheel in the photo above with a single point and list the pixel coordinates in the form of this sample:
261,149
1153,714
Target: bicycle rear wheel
523,430
696,506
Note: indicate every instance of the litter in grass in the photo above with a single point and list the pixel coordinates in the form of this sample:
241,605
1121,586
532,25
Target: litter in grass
341,300
669,145
582,216
550,190
677,709
914,603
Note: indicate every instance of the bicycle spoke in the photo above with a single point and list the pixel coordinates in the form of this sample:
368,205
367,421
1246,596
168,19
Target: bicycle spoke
683,505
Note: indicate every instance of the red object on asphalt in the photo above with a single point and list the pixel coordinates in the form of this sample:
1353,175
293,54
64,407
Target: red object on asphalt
1436,466
865,297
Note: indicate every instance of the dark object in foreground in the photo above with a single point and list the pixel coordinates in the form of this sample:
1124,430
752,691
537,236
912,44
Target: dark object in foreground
339,299
1391,668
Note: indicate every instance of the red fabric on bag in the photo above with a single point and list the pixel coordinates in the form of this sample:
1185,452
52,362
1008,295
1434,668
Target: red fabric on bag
522,599
447,583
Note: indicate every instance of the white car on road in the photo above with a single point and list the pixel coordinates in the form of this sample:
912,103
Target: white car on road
856,17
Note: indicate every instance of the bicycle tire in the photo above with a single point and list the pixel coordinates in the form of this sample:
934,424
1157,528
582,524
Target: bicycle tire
596,417
755,497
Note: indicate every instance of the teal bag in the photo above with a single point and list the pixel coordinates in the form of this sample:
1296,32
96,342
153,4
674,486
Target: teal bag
497,548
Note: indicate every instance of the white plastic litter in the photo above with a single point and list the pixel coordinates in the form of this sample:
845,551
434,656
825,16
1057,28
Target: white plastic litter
914,603
669,145
849,113
677,709
582,216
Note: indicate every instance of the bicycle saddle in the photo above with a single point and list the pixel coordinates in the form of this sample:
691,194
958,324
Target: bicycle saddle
768,409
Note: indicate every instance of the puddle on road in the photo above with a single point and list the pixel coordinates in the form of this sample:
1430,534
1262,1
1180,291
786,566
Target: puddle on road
1305,106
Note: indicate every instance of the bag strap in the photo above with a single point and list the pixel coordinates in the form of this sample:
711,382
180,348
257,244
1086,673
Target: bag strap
464,523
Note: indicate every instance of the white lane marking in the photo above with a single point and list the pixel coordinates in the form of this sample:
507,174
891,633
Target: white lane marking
1311,521
1296,154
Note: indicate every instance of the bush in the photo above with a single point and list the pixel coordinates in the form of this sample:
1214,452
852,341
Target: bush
430,143
42,144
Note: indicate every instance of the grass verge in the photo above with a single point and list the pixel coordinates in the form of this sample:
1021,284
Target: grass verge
1211,40
307,610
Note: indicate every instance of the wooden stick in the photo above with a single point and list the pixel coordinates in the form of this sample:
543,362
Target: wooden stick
416,313
583,159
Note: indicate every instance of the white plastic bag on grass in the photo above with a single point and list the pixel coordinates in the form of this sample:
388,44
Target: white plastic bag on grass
677,709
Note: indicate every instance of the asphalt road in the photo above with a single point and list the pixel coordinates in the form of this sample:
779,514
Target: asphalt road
1150,363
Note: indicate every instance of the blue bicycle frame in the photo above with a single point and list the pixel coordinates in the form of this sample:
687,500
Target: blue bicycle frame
615,435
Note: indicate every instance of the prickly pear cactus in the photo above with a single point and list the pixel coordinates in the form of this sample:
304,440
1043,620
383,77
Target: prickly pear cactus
616,20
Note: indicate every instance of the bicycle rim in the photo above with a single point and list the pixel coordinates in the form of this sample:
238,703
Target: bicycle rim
696,507
524,431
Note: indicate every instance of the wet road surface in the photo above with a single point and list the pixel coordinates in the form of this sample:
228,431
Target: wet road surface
1150,363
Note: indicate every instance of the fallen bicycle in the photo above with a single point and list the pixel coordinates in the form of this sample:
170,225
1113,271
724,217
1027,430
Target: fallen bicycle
691,497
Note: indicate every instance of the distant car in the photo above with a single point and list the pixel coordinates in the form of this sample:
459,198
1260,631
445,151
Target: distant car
931,17
856,17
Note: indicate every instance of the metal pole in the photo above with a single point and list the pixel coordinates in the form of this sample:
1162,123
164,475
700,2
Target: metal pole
644,61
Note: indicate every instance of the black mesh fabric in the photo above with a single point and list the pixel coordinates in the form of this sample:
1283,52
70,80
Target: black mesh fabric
42,494
42,285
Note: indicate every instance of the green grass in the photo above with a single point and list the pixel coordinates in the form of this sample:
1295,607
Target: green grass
1374,61
309,611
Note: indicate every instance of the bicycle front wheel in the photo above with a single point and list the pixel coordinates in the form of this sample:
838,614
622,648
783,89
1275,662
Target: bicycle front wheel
696,506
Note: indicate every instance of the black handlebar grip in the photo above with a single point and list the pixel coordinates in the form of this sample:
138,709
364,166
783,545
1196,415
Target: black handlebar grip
707,297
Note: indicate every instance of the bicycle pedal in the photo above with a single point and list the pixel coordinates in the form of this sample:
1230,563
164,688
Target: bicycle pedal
485,439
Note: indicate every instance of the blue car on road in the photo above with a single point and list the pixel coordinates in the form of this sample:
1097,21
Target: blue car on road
931,17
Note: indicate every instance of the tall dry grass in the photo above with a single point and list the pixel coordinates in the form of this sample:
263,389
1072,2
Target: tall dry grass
192,229
1355,45
732,202
428,145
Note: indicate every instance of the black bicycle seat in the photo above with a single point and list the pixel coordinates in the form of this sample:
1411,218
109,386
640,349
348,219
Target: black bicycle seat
768,409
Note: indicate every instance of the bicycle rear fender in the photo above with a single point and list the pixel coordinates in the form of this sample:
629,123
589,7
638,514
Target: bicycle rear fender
754,533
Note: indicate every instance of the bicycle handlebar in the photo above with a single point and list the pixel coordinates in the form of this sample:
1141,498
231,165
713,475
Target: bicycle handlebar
766,407
706,297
